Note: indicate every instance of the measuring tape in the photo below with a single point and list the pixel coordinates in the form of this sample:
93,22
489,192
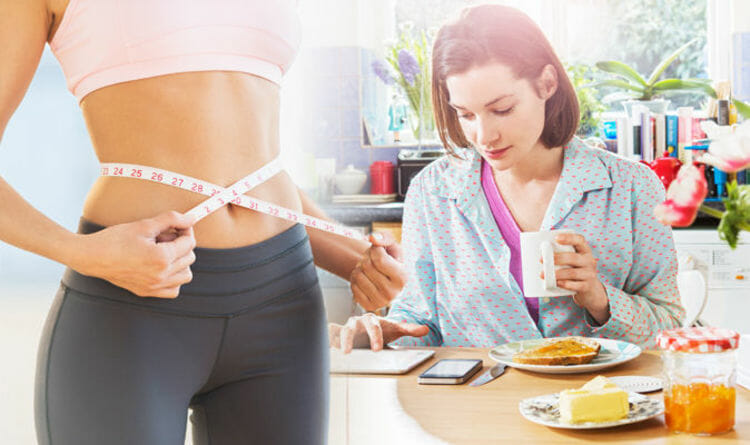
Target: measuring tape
234,194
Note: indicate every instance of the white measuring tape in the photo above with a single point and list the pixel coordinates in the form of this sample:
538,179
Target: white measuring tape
234,194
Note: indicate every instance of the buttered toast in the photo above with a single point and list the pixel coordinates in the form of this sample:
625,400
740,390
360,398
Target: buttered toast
560,351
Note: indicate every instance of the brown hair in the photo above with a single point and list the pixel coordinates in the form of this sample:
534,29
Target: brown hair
495,33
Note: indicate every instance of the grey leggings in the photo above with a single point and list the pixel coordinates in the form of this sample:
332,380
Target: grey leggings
244,345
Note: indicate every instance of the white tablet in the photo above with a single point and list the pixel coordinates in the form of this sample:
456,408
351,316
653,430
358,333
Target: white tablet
387,361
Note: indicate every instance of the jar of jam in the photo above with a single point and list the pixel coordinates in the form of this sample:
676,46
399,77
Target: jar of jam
699,374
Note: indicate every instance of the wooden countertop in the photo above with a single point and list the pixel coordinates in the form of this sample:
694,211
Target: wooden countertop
390,410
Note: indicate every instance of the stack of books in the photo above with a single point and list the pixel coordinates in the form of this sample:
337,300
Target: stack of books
645,136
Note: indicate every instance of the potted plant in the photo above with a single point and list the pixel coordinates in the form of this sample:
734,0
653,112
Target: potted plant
590,105
637,89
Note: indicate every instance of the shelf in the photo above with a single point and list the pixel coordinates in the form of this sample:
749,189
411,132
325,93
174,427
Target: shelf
364,214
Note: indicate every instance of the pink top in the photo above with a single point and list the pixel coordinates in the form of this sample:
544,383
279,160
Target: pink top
104,42
510,231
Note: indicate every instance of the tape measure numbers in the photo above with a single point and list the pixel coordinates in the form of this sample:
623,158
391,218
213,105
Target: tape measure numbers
234,194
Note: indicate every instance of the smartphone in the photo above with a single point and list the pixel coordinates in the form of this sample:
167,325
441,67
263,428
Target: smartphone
450,371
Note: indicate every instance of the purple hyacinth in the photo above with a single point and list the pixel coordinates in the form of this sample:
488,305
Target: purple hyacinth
381,70
408,65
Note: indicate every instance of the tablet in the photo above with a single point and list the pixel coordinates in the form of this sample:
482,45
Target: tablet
387,361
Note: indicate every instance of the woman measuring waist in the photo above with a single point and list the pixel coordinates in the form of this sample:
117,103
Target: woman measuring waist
145,324
192,135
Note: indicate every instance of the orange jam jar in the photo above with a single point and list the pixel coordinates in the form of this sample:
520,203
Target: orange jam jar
699,373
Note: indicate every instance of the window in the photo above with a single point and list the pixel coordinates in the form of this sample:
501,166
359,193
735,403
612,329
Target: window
639,33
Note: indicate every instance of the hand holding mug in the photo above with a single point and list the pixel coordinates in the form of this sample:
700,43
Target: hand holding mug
537,257
579,274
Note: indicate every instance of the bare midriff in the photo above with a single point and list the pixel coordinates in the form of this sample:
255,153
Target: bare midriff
216,126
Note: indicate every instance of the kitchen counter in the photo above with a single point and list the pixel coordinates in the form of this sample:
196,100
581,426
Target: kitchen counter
364,214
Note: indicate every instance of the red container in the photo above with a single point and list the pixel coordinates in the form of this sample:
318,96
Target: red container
381,178
666,168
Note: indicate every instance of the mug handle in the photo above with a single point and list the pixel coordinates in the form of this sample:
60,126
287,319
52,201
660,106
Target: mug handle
548,265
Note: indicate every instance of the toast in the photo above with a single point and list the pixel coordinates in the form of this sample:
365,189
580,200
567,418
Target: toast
560,351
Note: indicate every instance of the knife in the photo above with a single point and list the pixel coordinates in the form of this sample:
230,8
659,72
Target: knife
489,375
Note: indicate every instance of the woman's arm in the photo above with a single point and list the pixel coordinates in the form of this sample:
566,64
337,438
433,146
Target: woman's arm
416,304
334,253
144,257
24,26
412,320
649,300
375,272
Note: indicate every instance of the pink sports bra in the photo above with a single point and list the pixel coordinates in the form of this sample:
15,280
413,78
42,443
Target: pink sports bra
104,42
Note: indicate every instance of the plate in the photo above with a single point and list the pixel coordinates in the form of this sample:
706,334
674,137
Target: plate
637,383
612,353
544,411
363,198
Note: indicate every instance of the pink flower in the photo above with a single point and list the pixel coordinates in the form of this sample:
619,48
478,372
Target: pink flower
730,146
684,195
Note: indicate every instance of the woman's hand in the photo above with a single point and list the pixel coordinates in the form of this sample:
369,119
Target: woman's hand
369,329
150,257
379,276
582,276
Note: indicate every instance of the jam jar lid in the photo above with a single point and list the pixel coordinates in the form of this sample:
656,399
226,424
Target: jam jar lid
698,339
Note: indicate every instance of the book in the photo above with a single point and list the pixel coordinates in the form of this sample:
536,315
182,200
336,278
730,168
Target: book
671,134
697,131
647,147
684,133
660,134
636,141
624,137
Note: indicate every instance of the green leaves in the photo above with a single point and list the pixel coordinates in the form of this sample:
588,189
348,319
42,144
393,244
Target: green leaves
737,214
631,80
618,83
620,96
742,108
622,70
683,85
590,106
668,61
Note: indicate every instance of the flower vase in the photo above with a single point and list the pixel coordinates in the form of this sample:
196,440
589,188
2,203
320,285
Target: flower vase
423,128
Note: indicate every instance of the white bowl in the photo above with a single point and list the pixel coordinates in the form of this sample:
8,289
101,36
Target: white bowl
350,181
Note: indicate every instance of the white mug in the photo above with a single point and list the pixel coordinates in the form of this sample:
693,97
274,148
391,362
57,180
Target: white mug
535,245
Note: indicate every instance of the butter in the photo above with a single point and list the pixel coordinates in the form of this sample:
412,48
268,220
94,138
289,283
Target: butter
597,401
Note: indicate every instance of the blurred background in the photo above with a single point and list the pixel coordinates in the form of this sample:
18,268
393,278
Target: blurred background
338,110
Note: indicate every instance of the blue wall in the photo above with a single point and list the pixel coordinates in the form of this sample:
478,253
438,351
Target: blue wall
46,155
334,105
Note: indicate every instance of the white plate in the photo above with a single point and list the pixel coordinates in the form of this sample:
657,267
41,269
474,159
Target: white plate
637,383
544,411
612,353
363,198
